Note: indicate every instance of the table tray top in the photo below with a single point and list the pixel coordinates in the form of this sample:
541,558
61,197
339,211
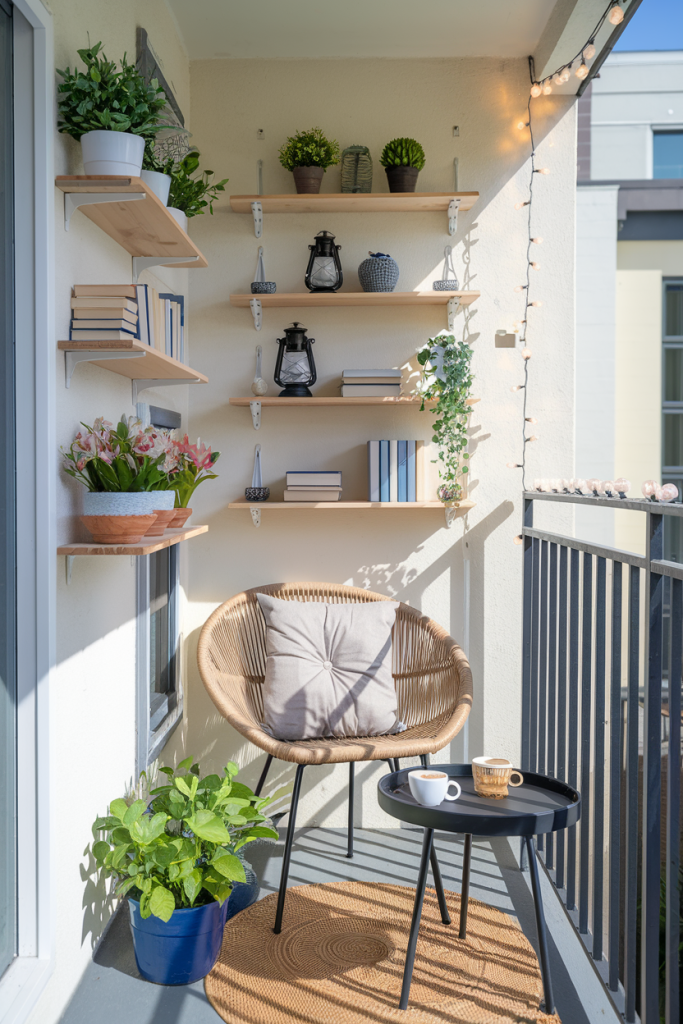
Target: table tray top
539,805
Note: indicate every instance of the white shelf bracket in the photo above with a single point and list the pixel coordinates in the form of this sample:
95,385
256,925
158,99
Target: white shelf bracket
453,208
68,567
451,515
94,355
72,200
141,263
453,307
256,312
255,516
142,385
255,414
257,211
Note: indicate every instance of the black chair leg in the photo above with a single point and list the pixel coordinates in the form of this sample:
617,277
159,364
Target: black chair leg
264,774
352,781
548,1002
465,891
288,849
417,914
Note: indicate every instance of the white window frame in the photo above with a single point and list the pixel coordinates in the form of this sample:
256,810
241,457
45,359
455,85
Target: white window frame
34,119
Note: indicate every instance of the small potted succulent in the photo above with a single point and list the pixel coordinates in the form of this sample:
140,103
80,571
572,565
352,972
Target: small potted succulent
194,465
111,111
308,155
180,859
189,196
402,159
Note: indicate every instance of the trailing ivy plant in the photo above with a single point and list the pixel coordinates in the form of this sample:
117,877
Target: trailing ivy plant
183,849
447,380
102,98
193,195
309,149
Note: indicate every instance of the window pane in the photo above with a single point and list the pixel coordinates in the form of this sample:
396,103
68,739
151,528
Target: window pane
673,374
673,527
159,621
673,310
673,439
668,155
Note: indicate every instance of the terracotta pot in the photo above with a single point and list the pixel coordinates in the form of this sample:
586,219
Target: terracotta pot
163,519
402,179
308,179
118,529
180,518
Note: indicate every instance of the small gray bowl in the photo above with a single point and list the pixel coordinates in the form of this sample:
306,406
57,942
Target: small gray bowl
263,287
445,286
257,493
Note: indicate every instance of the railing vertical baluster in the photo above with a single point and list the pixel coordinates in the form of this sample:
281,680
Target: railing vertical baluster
586,666
652,781
615,717
599,748
562,704
526,637
673,812
543,673
572,774
631,829
533,689
552,685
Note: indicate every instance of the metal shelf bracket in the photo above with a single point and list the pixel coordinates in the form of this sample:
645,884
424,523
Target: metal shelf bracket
142,385
93,355
141,263
453,208
255,516
256,312
451,515
68,567
257,211
255,414
453,307
72,200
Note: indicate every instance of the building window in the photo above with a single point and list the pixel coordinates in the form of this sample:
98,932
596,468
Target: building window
158,626
667,154
672,410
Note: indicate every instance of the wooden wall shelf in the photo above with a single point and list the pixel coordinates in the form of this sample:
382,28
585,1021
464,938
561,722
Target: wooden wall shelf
413,401
345,202
147,364
318,299
145,547
342,506
144,228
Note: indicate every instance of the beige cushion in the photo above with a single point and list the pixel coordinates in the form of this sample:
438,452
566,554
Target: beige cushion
328,671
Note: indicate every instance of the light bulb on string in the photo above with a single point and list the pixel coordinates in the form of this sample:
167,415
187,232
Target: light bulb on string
530,419
541,170
589,51
517,387
522,125
513,465
535,90
566,74
547,88
535,266
537,241
526,354
519,539
582,71
616,15
533,437
520,205
557,78
521,288
536,302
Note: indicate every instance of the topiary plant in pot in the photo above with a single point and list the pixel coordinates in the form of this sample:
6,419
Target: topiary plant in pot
403,159
180,860
308,155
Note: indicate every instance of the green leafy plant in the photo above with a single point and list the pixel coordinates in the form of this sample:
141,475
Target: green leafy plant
447,380
193,195
103,98
309,149
181,850
150,161
403,153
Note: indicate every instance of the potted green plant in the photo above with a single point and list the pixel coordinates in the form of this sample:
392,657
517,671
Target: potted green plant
447,380
180,859
308,155
195,462
189,196
156,173
126,472
402,159
112,111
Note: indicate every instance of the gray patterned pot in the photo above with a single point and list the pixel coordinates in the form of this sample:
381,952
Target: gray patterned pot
120,503
378,273
263,287
257,493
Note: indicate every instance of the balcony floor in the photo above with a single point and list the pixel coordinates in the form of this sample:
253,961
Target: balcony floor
112,992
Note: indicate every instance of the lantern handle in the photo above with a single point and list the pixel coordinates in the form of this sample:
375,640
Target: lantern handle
257,476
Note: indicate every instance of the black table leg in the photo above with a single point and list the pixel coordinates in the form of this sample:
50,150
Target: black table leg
417,914
465,890
549,1005
349,840
436,870
288,849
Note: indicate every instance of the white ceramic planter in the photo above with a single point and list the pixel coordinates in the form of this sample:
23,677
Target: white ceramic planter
112,153
159,183
162,500
120,503
179,215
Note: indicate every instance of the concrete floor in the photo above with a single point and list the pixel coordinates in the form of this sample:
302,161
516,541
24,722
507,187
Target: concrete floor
112,992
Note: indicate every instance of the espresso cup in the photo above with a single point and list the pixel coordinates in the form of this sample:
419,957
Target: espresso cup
430,787
492,775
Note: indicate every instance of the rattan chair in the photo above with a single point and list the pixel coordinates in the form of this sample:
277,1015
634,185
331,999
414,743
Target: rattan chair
431,673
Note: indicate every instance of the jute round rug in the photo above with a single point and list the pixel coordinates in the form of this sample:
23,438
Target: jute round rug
340,956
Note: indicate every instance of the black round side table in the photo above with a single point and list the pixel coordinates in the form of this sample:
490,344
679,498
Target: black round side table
538,806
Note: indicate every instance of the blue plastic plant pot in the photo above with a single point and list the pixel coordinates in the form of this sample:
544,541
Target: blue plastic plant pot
243,893
181,950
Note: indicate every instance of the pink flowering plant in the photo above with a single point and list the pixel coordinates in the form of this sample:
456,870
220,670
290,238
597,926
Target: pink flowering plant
128,457
195,462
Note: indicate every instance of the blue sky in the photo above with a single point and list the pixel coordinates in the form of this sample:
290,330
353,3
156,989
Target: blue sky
656,25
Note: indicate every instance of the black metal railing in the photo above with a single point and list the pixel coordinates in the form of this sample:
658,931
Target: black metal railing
601,702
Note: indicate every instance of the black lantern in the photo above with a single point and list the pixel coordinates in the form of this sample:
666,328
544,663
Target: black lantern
295,366
324,272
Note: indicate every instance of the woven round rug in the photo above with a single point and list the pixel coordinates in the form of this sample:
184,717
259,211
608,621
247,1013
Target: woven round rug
340,956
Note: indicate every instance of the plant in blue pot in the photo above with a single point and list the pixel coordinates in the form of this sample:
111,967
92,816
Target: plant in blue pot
180,860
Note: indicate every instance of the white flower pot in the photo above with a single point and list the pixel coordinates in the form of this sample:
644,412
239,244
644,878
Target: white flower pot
112,153
179,215
159,183
164,501
120,503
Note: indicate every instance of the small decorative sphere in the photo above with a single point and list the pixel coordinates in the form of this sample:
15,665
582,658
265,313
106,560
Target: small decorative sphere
448,493
622,486
259,386
669,492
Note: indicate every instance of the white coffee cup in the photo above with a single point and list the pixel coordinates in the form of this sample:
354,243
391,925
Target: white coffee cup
430,787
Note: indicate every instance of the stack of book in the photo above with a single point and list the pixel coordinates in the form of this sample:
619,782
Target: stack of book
117,312
312,486
402,471
371,384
